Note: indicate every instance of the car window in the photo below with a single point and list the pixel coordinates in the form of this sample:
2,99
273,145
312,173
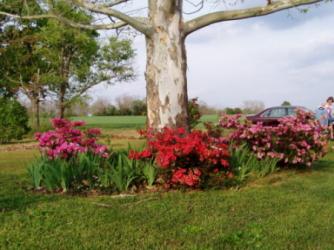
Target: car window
266,113
277,112
291,111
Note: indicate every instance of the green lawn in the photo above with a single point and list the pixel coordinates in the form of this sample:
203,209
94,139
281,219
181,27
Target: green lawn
125,122
287,210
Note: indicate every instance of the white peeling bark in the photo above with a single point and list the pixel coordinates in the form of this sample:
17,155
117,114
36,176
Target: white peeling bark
166,66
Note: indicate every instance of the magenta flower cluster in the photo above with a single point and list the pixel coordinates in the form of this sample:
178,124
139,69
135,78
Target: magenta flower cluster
297,140
67,140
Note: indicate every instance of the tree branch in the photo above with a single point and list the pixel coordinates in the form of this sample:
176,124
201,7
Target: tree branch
66,21
115,2
77,95
139,24
215,17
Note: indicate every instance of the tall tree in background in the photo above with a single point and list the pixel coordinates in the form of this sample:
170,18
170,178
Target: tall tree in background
22,65
81,61
70,51
165,31
43,56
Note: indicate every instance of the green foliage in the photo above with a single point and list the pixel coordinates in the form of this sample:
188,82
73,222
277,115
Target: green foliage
150,172
87,172
127,106
267,166
123,171
55,175
78,174
35,173
71,53
6,90
242,161
114,61
193,113
286,103
245,163
232,111
46,56
83,62
13,120
22,65
139,107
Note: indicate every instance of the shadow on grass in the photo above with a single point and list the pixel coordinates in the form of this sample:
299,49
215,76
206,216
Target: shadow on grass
323,166
14,194
10,202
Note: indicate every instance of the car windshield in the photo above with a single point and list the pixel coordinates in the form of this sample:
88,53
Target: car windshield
266,113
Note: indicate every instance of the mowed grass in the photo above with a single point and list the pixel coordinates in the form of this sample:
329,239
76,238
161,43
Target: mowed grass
125,122
287,210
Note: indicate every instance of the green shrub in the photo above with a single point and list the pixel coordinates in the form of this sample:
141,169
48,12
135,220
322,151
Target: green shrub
13,120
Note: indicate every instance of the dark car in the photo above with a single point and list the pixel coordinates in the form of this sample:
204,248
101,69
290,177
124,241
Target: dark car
271,116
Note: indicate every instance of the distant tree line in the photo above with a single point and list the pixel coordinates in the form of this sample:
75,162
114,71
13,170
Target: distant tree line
130,105
125,105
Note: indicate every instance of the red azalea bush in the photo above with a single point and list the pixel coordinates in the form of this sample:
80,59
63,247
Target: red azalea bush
67,140
297,140
188,155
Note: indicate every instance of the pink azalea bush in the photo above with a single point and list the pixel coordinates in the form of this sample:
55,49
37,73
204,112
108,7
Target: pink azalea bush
297,140
67,140
186,156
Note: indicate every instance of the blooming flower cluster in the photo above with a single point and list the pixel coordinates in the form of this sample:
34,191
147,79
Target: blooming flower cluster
187,154
297,140
145,154
66,140
188,177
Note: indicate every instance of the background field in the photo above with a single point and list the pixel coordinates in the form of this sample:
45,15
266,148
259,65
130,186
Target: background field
125,122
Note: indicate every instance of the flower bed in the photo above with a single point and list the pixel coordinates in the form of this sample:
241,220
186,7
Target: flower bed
71,158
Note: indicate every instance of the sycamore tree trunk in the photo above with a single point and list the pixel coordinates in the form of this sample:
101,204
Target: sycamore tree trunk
166,66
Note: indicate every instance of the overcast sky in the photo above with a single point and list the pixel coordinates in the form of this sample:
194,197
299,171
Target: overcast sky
283,56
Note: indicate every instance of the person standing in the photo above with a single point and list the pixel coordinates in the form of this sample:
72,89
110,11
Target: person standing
324,115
